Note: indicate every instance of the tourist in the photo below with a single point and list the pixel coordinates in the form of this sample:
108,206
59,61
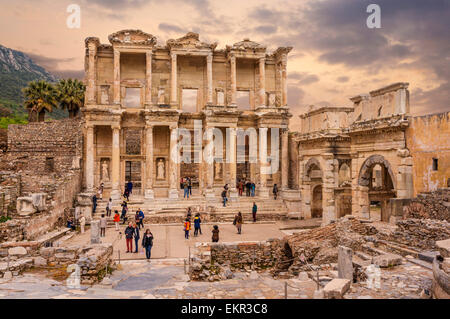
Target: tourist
215,234
238,222
190,186
130,187
240,187
70,224
187,228
82,223
100,191
248,187
136,218
275,191
136,237
186,189
103,224
224,198
253,189
126,194
109,208
147,243
116,219
182,183
254,210
129,233
141,219
124,212
94,203
197,222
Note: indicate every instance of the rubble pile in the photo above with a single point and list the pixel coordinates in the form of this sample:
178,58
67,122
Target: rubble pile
432,205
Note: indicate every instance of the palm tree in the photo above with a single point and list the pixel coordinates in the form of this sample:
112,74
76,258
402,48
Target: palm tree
71,95
40,96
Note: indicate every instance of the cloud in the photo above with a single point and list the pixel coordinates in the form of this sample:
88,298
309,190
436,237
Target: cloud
343,79
303,78
52,65
265,29
167,27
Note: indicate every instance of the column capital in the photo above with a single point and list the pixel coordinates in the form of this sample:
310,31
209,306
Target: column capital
115,126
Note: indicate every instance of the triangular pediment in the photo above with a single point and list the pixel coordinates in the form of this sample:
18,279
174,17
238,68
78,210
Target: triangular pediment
190,41
132,37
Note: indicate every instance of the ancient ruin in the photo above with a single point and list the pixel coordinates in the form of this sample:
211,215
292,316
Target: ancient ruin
365,186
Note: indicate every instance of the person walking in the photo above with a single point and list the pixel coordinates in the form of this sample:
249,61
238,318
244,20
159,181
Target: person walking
116,219
253,189
141,219
215,234
240,187
129,233
238,222
103,224
197,222
224,198
130,187
126,194
275,191
82,223
94,203
100,191
109,208
136,237
124,212
254,210
147,243
187,228
186,189
248,187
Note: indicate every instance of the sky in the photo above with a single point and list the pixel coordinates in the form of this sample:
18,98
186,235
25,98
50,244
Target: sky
335,56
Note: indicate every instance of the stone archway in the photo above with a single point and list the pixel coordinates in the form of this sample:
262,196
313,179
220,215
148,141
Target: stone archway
316,202
312,180
376,187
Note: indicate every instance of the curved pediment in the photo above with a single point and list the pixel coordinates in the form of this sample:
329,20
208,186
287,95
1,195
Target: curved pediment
246,44
190,41
132,37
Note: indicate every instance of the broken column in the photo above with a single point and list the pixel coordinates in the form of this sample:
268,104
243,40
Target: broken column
345,263
95,232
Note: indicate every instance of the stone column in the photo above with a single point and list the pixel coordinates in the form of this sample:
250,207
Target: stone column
233,80
91,85
117,89
209,162
284,80
262,187
149,162
148,78
90,158
95,232
262,82
115,163
284,159
173,163
231,158
328,185
209,76
173,77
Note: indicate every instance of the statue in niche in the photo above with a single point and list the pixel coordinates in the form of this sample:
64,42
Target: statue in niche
105,171
272,99
220,98
161,96
218,168
161,169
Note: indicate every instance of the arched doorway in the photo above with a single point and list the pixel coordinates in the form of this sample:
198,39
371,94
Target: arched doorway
316,202
377,179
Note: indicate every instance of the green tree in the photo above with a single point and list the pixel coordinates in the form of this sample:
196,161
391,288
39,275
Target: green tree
70,95
40,97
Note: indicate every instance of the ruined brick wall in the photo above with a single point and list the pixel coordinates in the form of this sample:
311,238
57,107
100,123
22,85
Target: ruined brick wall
433,205
9,191
428,138
45,147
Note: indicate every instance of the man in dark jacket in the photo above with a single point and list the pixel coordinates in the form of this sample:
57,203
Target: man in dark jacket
129,233
275,191
254,210
94,203
136,237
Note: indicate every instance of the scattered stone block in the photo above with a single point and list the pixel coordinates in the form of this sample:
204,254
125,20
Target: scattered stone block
319,294
17,251
336,288
303,276
95,232
444,247
253,275
387,260
39,261
7,275
345,264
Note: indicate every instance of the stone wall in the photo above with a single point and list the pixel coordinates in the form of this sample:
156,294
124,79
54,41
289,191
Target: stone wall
432,205
9,191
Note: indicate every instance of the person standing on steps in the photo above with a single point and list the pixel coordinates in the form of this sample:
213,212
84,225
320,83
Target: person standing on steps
136,237
275,191
215,234
141,219
94,203
186,189
224,198
253,189
147,243
130,187
238,222
103,224
109,208
187,228
129,233
254,210
124,212
190,186
116,219
197,222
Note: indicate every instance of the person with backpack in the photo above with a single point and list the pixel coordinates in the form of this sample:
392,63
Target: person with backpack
136,237
254,210
187,228
238,222
197,222
147,243
224,198
129,233
215,234
275,191
116,219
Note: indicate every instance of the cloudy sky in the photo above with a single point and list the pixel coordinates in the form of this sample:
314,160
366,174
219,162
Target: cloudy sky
335,54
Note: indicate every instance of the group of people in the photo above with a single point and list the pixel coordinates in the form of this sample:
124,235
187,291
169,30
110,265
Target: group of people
186,186
249,186
188,224
132,233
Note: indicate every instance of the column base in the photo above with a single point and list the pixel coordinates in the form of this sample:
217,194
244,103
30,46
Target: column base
173,194
149,194
263,192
